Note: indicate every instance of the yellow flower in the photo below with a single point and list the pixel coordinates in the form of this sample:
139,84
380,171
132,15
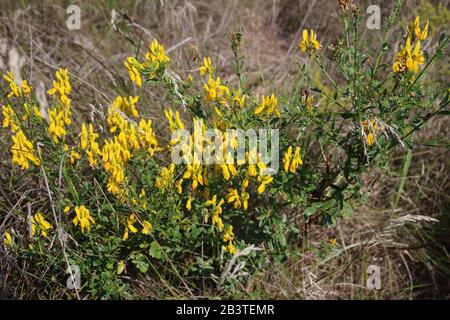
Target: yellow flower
194,172
62,87
296,161
189,203
83,217
28,111
233,197
73,155
239,98
125,235
206,67
415,59
309,103
166,177
26,88
56,127
156,57
147,137
371,128
408,59
174,122
113,159
268,106
88,143
7,239
216,211
370,139
134,68
10,118
291,163
15,89
126,105
215,91
60,115
38,221
147,227
131,220
420,35
309,42
23,151
142,199
229,235
238,200
230,248
287,159
264,181
179,186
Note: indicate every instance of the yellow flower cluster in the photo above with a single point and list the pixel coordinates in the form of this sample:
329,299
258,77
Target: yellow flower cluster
216,209
419,34
148,137
268,106
238,200
7,239
30,110
134,68
196,174
10,118
156,57
291,163
229,237
409,59
175,122
166,177
88,143
238,98
126,105
309,41
116,152
207,67
23,151
371,129
308,101
15,89
59,116
131,220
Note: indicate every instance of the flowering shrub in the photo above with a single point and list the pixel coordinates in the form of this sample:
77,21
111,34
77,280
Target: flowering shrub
111,199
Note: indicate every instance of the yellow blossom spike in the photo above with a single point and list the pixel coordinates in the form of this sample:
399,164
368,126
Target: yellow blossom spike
147,227
7,239
83,218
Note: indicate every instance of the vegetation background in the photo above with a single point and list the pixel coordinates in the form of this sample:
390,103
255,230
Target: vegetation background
391,230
